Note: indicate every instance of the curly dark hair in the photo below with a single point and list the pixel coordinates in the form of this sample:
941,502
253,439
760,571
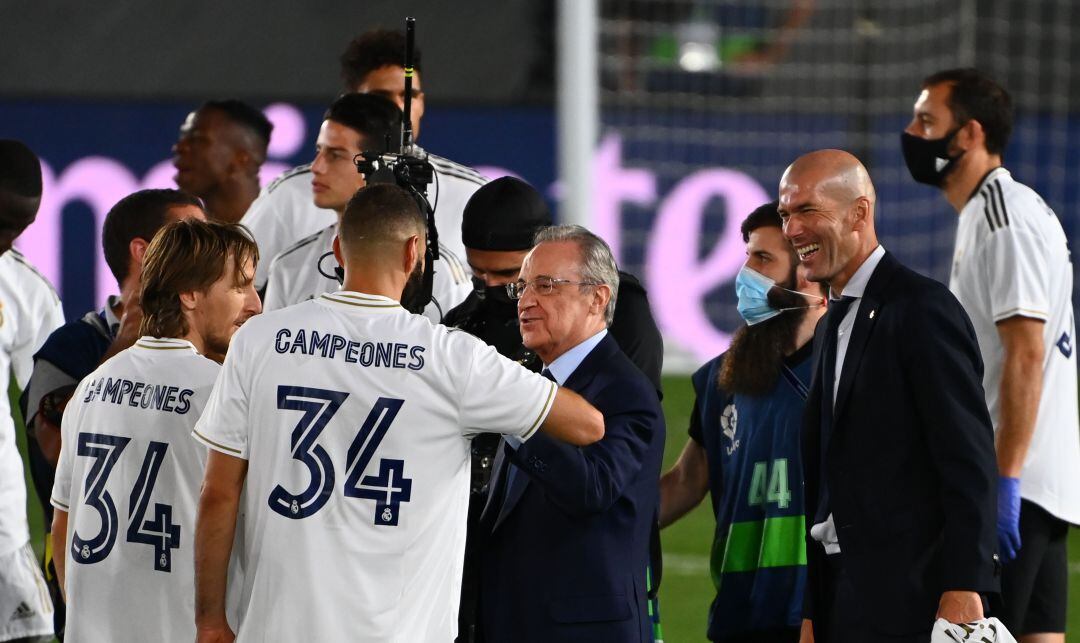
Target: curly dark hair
372,50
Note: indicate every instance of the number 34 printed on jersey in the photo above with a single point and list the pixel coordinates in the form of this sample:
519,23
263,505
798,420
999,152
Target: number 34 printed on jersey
388,488
158,532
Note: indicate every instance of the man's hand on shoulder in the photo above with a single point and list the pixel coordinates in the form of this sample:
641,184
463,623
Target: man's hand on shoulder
960,607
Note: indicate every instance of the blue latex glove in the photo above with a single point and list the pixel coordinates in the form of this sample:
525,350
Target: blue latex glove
1008,520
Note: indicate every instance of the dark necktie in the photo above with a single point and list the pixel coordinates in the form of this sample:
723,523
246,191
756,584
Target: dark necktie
838,309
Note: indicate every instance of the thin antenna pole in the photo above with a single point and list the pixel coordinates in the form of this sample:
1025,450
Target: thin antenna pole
406,117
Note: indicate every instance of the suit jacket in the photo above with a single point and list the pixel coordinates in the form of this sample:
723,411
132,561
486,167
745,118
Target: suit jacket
910,463
569,544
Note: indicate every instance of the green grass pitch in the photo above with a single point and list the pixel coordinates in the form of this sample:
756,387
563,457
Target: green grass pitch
686,590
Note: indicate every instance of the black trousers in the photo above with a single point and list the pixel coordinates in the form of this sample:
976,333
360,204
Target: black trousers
846,621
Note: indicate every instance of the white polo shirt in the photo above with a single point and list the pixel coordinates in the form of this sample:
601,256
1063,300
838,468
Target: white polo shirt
1012,259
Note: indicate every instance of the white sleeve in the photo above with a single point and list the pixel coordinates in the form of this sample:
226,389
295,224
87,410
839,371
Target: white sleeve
497,394
260,219
449,286
1014,261
225,423
61,491
45,316
274,297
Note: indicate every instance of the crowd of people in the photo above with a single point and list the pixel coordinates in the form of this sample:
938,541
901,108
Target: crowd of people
259,438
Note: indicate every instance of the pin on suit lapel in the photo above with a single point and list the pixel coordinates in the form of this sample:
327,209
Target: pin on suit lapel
860,333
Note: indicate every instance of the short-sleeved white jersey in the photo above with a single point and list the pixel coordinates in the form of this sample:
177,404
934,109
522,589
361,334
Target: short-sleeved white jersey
295,276
355,418
29,312
129,476
1012,259
285,211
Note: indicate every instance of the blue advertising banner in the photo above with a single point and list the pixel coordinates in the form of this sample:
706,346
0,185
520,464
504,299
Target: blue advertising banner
678,232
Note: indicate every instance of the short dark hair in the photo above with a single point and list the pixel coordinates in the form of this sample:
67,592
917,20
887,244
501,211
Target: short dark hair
380,212
185,256
372,50
765,216
137,216
976,96
376,118
20,183
244,115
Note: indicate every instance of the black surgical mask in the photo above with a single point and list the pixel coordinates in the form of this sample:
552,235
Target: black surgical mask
928,160
494,297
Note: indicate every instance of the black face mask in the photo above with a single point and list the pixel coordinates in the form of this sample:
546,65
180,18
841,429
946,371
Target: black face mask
928,160
495,297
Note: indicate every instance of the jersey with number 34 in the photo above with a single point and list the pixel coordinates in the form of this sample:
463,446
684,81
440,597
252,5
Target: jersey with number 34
129,477
355,417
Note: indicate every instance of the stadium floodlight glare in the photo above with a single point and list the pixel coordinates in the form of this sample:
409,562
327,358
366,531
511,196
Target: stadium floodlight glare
697,46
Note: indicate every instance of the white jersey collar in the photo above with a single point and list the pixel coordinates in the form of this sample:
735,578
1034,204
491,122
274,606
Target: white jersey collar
165,344
363,301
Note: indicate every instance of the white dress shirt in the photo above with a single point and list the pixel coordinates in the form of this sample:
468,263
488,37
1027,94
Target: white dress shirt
825,532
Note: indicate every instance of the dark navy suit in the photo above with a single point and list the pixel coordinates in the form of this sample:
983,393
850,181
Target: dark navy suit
569,545
909,466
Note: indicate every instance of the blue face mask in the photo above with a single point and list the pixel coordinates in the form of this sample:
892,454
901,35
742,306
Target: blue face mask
753,288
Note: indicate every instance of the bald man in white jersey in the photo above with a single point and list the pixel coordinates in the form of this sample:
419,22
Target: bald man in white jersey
349,421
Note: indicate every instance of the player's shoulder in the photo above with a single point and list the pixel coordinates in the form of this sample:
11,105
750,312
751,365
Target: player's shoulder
301,251
281,196
454,264
298,175
1004,204
454,170
27,276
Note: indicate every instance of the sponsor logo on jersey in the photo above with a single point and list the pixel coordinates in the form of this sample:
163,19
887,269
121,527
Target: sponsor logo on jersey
729,421
1065,345
22,611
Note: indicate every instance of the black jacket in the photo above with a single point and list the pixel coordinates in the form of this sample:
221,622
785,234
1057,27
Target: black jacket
910,465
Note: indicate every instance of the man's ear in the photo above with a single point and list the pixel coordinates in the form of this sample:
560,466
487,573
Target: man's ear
601,297
337,252
970,136
188,300
414,253
137,250
860,213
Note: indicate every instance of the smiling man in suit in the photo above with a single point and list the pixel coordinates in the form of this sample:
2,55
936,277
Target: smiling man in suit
569,546
897,444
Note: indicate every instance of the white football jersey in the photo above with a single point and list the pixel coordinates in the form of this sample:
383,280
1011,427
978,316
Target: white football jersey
296,275
29,312
129,477
1011,258
355,418
285,211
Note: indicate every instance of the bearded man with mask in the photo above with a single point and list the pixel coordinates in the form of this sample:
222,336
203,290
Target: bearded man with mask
498,226
744,444
1013,275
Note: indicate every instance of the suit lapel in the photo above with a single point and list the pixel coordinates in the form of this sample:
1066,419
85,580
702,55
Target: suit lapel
866,318
578,380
